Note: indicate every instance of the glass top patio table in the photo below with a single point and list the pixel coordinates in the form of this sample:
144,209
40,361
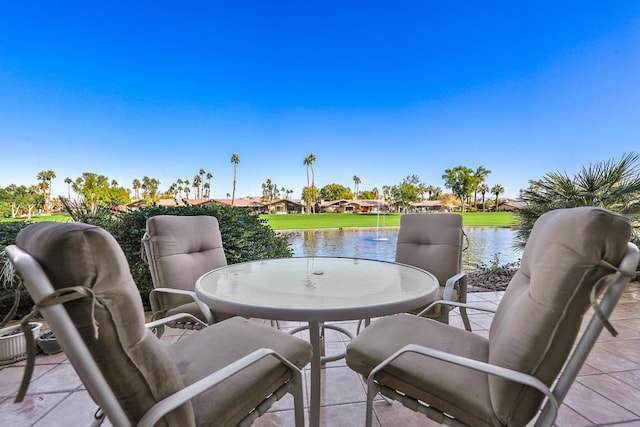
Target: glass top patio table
316,290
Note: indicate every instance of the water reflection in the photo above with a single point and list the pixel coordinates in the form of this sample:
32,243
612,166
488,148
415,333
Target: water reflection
484,243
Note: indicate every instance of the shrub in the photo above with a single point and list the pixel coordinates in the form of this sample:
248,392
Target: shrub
9,283
245,238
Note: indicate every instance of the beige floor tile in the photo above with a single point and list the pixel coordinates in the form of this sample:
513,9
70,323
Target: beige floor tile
595,407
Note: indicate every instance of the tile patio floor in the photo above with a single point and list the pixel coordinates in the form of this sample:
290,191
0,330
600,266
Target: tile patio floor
607,391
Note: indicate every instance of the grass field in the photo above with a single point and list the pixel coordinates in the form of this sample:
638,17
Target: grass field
303,222
52,217
315,221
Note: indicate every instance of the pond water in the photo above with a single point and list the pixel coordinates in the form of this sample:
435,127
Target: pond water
484,243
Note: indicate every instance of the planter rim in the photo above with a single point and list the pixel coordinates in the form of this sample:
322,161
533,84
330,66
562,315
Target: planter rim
12,328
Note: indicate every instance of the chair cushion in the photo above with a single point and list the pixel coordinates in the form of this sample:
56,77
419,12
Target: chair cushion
135,364
180,249
541,312
424,378
213,348
432,242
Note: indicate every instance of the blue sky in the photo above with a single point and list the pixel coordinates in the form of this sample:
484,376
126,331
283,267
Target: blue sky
377,89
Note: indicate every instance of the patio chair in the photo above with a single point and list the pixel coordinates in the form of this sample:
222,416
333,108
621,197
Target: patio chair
574,259
434,242
224,375
179,249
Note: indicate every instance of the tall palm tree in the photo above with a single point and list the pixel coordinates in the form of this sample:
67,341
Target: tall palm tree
187,190
202,172
45,178
179,181
308,161
209,176
356,182
68,181
478,178
483,189
497,190
235,159
196,185
136,188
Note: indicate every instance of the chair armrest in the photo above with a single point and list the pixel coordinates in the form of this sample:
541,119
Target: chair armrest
155,303
450,283
509,374
168,404
456,304
165,320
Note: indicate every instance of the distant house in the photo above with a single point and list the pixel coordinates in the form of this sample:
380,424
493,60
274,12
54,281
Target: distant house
508,206
284,206
352,206
426,206
253,204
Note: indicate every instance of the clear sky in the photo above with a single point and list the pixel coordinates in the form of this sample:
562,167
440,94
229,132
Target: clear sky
377,89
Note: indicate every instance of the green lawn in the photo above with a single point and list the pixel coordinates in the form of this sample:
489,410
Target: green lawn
34,218
315,221
303,222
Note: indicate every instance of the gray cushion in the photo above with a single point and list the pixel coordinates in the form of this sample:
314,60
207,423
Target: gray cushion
134,362
214,347
429,380
179,250
433,242
541,312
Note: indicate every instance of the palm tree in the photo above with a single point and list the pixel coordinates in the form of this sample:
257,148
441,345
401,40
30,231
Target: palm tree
308,161
68,181
180,182
209,176
196,185
356,182
201,173
483,189
186,189
497,190
136,188
613,185
430,189
235,159
45,186
478,178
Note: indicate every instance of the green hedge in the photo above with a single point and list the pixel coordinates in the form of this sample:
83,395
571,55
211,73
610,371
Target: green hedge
245,237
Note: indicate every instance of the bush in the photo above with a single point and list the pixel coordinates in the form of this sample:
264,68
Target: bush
8,233
245,237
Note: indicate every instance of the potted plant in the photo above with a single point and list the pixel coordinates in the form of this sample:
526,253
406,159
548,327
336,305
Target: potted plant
48,343
13,345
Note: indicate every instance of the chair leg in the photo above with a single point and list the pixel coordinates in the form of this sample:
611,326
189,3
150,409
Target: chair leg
465,318
372,391
159,331
366,321
298,399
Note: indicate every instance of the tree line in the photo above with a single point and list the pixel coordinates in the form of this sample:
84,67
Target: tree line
98,190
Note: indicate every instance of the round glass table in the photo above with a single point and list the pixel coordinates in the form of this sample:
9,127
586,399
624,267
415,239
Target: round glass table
316,290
